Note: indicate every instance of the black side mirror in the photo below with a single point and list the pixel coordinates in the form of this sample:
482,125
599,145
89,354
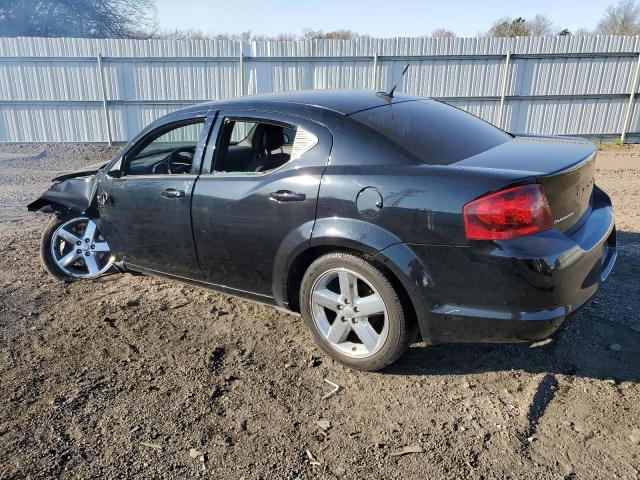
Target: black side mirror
115,173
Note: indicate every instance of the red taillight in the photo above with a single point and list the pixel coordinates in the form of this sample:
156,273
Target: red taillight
511,213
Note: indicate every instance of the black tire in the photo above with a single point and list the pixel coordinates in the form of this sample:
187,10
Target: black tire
400,329
45,246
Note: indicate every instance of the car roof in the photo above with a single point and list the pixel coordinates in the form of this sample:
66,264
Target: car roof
345,102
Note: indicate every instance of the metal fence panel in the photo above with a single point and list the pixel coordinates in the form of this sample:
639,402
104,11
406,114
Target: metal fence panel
51,89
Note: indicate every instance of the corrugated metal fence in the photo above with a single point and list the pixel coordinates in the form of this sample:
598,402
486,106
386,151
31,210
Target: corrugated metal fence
87,90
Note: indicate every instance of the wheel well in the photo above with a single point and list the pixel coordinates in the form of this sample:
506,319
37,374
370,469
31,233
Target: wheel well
306,258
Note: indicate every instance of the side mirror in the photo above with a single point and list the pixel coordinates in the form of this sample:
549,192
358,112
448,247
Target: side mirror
115,173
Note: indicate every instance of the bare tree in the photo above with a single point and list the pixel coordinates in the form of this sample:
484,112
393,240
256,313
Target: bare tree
76,18
539,26
509,27
582,32
442,33
308,34
621,19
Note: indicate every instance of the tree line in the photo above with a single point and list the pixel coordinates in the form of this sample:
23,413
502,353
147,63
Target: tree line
138,19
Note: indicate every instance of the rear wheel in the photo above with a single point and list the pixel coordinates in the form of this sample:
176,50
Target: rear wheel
73,247
353,312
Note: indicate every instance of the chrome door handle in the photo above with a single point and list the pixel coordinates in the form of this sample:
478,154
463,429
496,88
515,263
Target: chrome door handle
287,196
172,193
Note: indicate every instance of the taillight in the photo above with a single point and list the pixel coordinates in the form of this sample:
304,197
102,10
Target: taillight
510,213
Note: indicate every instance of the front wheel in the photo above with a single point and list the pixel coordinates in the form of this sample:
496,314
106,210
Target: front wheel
353,312
73,247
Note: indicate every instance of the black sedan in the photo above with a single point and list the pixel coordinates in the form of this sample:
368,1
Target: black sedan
377,218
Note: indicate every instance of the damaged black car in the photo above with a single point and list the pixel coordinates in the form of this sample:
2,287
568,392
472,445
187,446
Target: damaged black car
379,218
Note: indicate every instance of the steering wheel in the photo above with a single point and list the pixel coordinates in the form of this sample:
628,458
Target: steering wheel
180,160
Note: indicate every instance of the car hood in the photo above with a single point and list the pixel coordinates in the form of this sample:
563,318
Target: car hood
82,172
75,190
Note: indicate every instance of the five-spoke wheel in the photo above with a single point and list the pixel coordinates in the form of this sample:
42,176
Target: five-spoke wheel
353,311
349,312
74,247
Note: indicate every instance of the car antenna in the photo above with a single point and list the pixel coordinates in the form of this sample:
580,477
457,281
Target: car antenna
389,94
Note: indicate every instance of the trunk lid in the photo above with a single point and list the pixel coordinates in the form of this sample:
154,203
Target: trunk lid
564,167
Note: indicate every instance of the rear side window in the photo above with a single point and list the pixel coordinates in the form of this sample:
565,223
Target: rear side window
435,133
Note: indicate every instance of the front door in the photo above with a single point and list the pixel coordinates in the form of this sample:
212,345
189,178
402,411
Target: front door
257,194
145,202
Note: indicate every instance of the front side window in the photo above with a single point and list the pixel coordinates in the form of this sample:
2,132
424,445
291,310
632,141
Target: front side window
254,146
169,150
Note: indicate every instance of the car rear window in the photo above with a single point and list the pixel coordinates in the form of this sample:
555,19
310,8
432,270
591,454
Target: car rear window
435,133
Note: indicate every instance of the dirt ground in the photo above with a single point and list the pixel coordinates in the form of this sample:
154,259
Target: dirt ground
140,377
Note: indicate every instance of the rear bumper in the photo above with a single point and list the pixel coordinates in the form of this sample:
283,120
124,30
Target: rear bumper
508,291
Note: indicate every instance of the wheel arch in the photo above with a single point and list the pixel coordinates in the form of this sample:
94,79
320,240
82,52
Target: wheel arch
301,263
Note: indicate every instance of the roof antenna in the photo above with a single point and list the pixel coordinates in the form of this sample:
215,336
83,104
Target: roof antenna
389,94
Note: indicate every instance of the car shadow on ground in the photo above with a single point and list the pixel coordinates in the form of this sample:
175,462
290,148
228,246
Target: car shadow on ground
600,341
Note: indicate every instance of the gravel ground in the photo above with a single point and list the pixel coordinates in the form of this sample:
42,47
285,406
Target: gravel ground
140,377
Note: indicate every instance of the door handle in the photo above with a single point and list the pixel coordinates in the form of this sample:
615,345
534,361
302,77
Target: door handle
172,193
287,196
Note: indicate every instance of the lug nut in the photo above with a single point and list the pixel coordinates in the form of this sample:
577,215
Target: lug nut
87,240
78,243
93,247
346,300
87,254
78,251
355,309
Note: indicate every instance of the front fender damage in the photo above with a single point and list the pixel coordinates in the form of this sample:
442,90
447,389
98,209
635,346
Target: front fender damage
76,194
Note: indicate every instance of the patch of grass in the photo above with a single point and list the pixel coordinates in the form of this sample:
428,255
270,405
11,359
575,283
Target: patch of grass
615,144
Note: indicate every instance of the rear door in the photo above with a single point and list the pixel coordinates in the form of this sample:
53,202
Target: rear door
257,193
145,200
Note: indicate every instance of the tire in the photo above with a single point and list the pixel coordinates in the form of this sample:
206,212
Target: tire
318,286
103,257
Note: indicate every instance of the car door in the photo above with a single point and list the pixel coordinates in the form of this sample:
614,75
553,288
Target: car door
144,201
254,197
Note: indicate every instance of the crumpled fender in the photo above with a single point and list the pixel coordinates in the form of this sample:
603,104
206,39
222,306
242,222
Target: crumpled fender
74,193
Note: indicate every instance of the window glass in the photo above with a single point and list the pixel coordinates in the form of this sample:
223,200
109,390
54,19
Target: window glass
432,131
241,130
170,150
249,146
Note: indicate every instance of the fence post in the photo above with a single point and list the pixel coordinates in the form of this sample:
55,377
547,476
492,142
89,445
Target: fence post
241,68
105,108
375,70
503,93
632,95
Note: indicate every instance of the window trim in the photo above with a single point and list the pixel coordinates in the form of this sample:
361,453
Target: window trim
167,127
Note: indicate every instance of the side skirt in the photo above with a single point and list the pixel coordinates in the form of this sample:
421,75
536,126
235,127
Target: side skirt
253,297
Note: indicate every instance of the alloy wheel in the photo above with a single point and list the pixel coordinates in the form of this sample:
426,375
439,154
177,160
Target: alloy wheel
79,248
349,313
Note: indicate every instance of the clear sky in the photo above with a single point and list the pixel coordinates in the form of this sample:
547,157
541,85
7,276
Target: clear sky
378,18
